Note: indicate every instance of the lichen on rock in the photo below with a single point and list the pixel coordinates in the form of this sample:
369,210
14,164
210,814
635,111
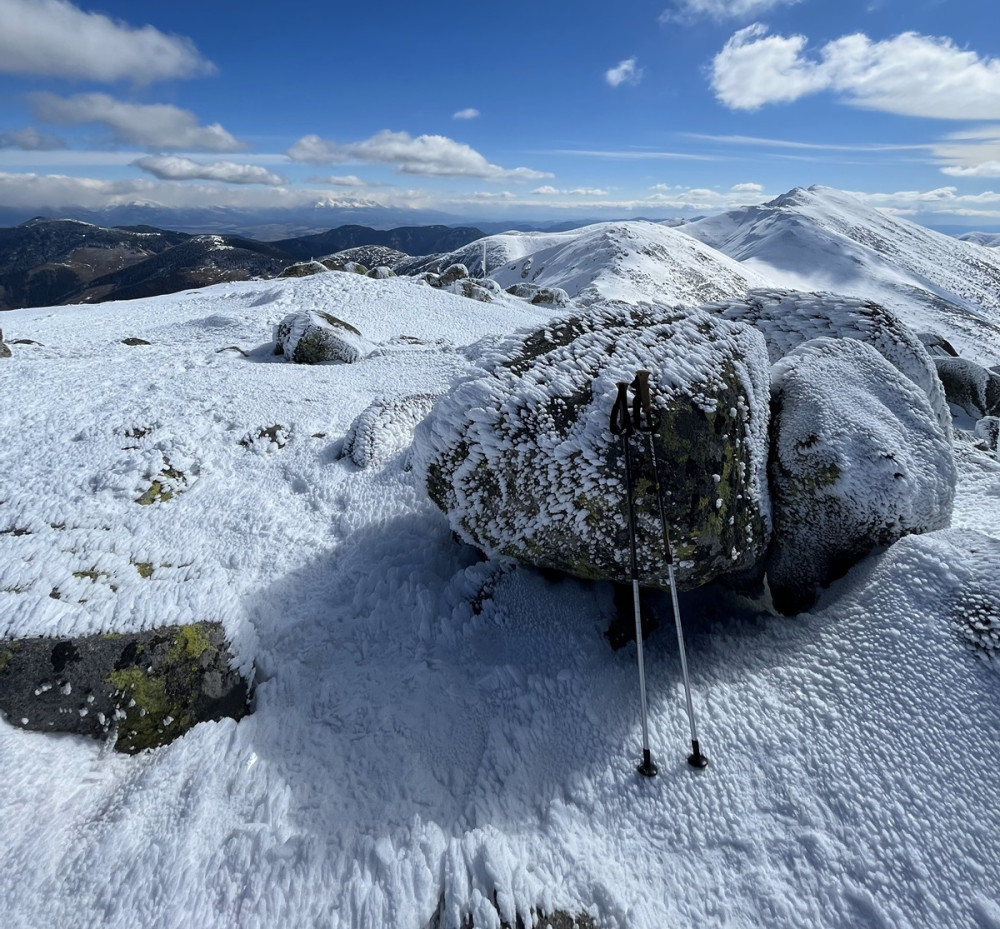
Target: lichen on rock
316,337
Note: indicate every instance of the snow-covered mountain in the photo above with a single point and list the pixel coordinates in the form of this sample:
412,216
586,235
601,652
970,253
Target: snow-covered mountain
989,239
629,261
825,239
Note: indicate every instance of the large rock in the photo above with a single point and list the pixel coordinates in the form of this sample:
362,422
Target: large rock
304,269
149,687
315,337
4,350
970,386
521,459
787,318
858,459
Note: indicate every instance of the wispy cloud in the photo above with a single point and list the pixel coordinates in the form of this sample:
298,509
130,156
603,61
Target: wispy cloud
985,169
688,11
625,72
468,113
30,140
910,74
758,141
57,39
425,155
629,154
176,168
573,192
158,126
342,180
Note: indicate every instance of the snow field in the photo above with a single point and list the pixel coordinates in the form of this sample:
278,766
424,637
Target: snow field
433,732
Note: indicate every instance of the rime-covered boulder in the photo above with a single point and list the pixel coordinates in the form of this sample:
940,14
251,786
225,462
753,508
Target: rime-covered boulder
858,459
970,386
315,337
384,428
539,296
147,688
381,273
304,269
4,350
340,264
521,459
787,318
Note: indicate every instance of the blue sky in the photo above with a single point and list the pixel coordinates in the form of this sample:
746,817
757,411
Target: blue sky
493,111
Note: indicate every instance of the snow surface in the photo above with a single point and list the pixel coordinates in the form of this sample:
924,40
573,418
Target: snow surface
433,733
825,239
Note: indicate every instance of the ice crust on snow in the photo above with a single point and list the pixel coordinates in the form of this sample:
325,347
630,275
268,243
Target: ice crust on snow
436,738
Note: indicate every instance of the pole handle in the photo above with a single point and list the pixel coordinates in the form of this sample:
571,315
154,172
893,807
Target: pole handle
644,417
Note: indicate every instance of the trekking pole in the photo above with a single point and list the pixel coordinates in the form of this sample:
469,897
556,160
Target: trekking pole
621,424
645,420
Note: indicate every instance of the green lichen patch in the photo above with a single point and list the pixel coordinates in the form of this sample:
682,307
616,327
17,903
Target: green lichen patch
148,716
145,568
168,483
6,654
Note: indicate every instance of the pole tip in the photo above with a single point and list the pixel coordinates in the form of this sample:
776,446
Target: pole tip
696,759
646,768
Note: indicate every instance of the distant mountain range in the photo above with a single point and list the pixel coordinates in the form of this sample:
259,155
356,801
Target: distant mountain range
45,262
815,239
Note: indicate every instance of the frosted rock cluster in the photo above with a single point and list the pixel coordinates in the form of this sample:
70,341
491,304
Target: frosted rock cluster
798,433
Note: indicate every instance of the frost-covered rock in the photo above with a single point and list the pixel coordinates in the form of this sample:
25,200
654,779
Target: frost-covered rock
149,687
988,430
349,267
381,273
859,459
521,459
937,345
385,428
314,337
544,296
304,269
4,349
970,386
787,318
451,274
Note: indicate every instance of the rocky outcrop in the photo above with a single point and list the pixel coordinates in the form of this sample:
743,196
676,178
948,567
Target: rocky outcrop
520,457
304,269
970,386
539,296
858,459
145,689
4,349
315,337
349,267
787,318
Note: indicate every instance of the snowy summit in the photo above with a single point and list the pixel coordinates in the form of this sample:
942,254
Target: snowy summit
440,734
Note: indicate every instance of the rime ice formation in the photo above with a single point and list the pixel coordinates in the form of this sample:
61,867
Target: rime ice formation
858,460
521,459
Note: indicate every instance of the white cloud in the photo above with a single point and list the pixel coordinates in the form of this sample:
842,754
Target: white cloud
986,169
176,168
344,180
687,11
425,155
910,74
574,192
30,140
625,72
55,38
468,113
157,125
747,188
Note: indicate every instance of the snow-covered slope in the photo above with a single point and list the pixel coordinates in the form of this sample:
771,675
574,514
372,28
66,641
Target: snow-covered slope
988,239
437,738
825,239
629,261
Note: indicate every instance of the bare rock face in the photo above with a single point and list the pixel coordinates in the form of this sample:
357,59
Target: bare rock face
149,688
859,459
315,337
521,459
